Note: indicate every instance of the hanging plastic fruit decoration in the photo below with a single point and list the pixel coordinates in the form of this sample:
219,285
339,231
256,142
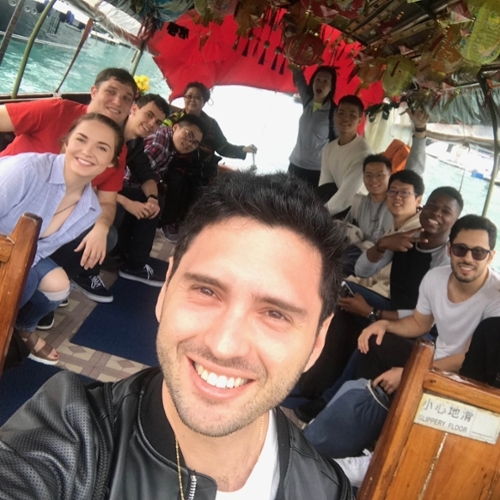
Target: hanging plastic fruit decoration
347,8
305,49
446,58
398,75
248,14
483,45
370,71
222,8
320,8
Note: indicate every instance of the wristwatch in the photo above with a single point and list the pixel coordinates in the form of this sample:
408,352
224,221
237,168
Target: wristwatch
152,196
373,316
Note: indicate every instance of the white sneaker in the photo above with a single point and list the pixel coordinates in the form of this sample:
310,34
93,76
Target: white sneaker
355,467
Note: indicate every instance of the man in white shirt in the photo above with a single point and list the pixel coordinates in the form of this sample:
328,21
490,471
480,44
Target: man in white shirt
342,159
456,298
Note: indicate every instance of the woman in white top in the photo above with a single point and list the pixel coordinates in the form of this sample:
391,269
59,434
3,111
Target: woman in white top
58,189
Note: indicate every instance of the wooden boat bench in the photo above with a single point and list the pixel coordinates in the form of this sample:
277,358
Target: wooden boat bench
440,439
17,252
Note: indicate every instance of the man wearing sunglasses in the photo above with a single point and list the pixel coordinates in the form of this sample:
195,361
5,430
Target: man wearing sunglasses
456,298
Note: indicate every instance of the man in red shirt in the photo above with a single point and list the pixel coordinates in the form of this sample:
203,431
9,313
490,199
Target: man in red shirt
40,127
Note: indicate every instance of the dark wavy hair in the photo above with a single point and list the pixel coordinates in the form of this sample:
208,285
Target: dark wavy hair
119,139
205,92
326,69
275,200
157,99
474,223
377,159
120,75
409,177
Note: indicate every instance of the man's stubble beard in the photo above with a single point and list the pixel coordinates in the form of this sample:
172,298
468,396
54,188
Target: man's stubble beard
249,412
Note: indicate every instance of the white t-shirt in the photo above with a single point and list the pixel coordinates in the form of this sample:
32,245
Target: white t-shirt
456,322
263,482
343,165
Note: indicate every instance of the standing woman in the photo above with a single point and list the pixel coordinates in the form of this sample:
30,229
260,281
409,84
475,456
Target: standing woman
316,127
190,172
58,189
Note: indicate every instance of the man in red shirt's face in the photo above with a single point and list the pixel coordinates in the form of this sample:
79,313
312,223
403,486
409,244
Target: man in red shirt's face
111,98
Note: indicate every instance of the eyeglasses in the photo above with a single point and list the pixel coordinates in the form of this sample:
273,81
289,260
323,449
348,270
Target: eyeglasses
461,250
369,176
193,97
190,137
403,193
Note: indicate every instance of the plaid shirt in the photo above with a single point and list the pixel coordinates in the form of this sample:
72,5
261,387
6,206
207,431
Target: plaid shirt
160,150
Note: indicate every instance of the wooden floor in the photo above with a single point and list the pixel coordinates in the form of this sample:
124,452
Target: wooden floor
98,365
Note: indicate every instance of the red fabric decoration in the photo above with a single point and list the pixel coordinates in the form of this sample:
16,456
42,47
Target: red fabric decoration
219,64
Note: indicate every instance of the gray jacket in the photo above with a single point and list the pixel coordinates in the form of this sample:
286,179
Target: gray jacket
313,132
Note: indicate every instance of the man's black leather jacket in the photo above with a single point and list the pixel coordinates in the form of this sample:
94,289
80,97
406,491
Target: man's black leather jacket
74,442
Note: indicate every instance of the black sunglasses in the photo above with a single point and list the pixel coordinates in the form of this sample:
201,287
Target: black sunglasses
478,253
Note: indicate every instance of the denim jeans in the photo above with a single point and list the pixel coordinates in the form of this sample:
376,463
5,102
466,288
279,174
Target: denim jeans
373,298
351,421
34,304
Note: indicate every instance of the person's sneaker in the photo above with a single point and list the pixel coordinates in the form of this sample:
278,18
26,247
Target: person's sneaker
171,232
144,275
64,303
47,322
92,287
355,467
112,263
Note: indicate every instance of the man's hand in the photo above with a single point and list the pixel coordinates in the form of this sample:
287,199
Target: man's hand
250,149
93,246
378,328
401,242
137,209
389,380
153,207
419,117
356,305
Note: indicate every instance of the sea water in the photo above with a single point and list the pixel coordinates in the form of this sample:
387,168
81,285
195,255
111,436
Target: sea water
246,115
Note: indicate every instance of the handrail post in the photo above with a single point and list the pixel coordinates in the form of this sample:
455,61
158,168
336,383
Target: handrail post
496,145
10,29
137,58
29,45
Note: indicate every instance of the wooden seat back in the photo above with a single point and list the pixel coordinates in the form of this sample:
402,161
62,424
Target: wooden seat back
17,252
447,461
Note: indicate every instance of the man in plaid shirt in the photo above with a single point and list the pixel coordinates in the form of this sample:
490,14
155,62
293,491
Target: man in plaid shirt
137,224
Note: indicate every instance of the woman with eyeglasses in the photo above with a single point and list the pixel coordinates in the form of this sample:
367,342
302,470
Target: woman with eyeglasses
202,165
316,127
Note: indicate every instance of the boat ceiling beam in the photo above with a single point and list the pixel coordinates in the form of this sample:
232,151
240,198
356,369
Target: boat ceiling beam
411,26
100,18
489,96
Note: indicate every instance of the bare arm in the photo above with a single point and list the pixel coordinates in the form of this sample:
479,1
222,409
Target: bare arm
94,244
410,327
107,200
451,363
358,305
6,124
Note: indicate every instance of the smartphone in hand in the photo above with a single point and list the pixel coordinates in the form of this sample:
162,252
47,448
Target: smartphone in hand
345,291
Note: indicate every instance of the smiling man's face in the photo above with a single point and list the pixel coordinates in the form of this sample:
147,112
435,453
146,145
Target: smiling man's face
238,324
112,99
439,214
